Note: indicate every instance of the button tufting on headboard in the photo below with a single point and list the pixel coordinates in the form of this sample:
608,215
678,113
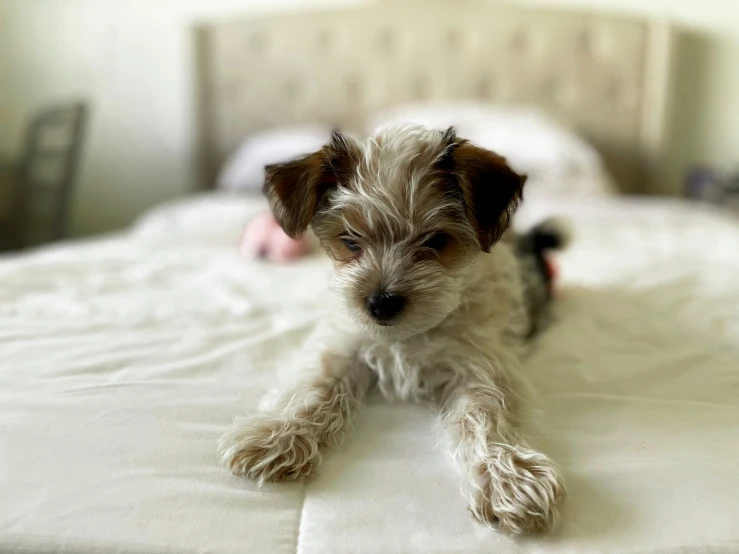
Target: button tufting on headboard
256,43
388,41
585,41
325,39
292,89
557,92
484,88
353,87
614,90
520,42
420,87
454,39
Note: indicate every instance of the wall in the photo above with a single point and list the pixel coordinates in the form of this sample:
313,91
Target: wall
133,60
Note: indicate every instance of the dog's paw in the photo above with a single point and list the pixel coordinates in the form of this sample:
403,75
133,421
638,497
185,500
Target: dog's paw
265,449
520,492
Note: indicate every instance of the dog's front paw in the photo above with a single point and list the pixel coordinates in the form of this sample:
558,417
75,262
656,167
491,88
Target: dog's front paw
520,492
267,449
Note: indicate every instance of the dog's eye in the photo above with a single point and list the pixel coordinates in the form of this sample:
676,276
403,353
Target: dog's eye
436,241
351,244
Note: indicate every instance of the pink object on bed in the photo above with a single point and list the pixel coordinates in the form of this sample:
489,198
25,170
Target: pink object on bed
264,238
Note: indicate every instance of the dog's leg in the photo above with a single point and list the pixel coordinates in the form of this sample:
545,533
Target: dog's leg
283,443
508,484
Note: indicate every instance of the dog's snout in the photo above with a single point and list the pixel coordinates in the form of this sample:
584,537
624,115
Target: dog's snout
384,307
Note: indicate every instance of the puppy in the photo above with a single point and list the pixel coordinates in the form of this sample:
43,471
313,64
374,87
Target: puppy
432,306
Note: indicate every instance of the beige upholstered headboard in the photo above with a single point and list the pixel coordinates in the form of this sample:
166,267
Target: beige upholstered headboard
607,76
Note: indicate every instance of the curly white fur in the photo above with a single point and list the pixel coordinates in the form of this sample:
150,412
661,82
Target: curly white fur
453,346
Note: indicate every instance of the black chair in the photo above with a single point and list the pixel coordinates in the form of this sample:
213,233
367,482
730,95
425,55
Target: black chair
43,180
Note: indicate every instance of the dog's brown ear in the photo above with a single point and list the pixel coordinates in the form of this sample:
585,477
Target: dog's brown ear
295,188
491,190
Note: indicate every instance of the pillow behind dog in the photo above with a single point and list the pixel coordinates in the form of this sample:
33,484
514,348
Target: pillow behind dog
244,169
557,161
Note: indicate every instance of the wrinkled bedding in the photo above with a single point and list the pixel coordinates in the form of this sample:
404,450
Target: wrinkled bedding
122,360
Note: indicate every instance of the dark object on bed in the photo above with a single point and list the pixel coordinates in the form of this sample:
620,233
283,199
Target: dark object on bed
715,186
41,183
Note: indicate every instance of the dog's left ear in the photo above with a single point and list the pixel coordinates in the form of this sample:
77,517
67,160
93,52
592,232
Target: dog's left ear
295,188
491,190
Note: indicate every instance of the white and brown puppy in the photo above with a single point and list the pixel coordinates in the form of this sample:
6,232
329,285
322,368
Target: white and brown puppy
432,310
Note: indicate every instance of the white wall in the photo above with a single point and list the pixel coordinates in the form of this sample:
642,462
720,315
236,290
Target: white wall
133,60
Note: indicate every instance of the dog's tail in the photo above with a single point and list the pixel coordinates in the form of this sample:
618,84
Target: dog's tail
538,271
551,234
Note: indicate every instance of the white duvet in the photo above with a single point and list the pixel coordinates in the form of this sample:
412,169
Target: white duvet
123,360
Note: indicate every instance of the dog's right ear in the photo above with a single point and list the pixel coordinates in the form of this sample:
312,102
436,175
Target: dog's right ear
295,188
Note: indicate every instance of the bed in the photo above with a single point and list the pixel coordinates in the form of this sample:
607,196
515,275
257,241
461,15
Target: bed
124,358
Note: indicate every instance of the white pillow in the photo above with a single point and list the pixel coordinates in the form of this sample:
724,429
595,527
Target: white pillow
557,161
244,169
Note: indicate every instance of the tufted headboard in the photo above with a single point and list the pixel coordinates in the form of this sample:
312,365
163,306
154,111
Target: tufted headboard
607,76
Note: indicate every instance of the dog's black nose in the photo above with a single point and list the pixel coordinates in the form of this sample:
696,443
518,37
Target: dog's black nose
384,307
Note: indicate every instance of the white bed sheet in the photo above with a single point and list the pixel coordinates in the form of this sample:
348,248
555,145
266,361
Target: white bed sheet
123,360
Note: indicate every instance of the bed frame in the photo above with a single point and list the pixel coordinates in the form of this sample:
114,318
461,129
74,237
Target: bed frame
607,76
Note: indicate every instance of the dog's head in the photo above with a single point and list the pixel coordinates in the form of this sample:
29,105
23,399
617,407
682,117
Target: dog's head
405,215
